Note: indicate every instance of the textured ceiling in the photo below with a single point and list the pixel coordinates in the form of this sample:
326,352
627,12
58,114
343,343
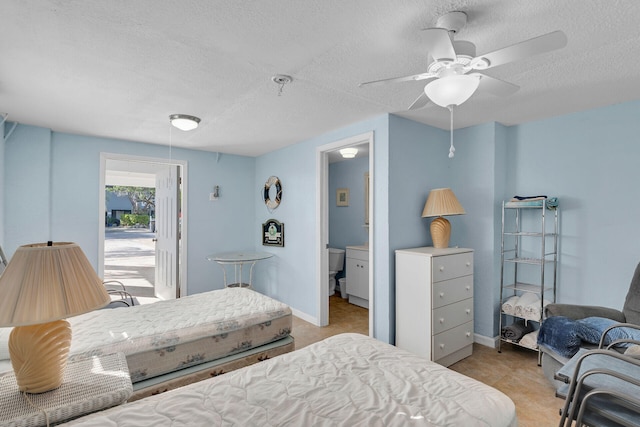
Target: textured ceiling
119,68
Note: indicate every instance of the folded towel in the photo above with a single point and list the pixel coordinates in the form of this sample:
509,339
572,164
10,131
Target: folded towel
517,330
525,299
532,201
530,340
509,306
527,198
533,311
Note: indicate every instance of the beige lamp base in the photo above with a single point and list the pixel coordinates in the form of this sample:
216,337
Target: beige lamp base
39,355
440,232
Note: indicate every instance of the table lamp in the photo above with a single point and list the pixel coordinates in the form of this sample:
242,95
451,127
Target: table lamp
441,201
43,284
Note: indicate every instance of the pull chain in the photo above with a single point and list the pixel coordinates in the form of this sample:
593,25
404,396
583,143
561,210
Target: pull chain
452,149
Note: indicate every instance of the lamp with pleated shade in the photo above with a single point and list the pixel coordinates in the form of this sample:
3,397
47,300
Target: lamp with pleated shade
441,201
43,284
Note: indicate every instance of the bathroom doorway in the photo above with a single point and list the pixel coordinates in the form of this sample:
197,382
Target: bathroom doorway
336,199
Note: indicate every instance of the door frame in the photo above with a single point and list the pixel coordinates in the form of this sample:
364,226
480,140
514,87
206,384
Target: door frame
322,224
182,258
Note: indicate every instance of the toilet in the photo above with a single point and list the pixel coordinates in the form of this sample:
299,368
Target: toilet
336,264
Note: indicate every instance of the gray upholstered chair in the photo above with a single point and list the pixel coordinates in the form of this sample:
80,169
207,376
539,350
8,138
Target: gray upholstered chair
552,361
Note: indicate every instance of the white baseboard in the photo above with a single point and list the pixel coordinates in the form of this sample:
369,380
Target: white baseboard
304,316
486,341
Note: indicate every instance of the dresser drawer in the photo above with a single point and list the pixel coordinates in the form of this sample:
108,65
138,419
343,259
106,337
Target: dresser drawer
450,291
452,340
452,315
452,266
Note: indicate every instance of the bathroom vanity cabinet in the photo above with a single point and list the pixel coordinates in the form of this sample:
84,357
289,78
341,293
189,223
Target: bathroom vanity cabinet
434,303
358,275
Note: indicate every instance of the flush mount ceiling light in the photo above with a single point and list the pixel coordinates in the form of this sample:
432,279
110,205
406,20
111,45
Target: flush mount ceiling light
348,153
184,122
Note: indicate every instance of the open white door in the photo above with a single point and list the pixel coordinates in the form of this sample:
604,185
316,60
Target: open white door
167,229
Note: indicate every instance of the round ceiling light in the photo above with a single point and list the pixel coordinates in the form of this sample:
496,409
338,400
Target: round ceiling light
184,122
452,90
349,153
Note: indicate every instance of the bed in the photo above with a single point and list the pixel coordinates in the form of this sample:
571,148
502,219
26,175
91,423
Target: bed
171,343
347,379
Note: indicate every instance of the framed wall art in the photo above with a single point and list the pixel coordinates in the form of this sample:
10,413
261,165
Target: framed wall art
342,197
273,233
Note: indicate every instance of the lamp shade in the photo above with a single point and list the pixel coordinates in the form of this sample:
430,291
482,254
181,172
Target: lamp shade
452,90
44,283
442,201
184,122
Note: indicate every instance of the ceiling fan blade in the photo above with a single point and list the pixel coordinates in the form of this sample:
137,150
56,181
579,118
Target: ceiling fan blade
420,102
496,86
411,78
439,44
535,46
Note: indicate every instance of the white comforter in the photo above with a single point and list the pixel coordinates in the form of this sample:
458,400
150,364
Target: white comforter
345,380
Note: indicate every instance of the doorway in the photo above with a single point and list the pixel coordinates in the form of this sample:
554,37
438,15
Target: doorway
147,257
323,154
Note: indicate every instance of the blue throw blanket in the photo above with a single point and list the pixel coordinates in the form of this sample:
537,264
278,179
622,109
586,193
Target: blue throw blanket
560,334
565,336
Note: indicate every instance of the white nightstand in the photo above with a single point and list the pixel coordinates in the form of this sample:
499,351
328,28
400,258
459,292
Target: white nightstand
90,384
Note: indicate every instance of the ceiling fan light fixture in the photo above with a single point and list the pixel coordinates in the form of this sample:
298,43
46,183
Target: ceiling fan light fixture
452,90
348,153
184,122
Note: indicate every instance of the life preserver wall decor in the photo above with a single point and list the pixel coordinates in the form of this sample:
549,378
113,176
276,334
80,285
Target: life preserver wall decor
271,204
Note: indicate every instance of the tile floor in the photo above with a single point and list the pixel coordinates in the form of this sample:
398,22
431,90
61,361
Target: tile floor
514,371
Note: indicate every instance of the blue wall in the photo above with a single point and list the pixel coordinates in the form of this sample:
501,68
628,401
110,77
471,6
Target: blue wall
346,223
52,193
293,271
587,159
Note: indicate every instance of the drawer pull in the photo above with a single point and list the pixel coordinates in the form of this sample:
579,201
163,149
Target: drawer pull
441,320
468,264
468,334
442,268
441,294
468,288
441,346
468,311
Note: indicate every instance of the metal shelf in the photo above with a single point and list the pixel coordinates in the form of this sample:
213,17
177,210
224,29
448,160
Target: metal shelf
527,287
528,233
517,246
535,261
517,343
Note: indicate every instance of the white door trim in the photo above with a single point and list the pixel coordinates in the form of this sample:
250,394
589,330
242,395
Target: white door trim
184,226
322,225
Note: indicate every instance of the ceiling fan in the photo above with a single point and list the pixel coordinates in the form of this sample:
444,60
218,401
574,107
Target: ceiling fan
453,73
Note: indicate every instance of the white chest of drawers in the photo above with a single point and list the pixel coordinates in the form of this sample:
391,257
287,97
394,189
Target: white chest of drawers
434,303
